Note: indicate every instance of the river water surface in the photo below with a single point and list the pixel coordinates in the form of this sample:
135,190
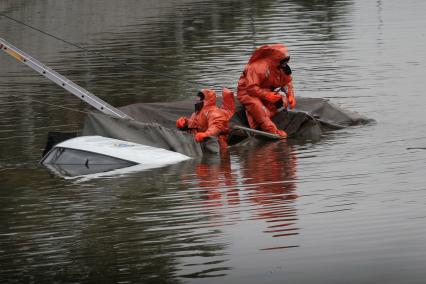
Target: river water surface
349,208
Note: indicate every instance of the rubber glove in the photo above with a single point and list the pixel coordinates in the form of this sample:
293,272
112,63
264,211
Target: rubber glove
272,97
282,133
181,122
291,101
200,136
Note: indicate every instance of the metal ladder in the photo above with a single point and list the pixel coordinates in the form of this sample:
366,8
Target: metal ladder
60,80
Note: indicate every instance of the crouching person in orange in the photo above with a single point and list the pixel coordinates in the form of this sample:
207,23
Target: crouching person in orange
208,120
265,76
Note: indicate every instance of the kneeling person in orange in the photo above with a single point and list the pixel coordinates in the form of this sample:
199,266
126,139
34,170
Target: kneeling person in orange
208,120
264,77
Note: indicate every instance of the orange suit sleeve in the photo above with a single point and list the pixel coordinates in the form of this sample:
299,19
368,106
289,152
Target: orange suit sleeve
216,119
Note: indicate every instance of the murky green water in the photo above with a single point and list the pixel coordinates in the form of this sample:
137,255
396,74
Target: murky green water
347,209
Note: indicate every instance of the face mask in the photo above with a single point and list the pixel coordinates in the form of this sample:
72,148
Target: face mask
199,103
198,106
284,66
287,70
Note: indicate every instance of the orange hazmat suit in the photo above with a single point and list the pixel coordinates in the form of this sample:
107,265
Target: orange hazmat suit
210,120
259,83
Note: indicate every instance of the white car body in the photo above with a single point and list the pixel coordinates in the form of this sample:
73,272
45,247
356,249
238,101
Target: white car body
91,153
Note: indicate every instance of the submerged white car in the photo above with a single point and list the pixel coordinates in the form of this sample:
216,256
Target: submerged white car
89,155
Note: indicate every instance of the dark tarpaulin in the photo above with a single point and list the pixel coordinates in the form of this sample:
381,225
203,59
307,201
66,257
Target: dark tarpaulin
154,123
150,133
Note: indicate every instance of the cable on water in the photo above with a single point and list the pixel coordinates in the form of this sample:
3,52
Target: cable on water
102,55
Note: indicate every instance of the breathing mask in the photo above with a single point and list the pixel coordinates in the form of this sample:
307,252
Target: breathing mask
199,103
284,65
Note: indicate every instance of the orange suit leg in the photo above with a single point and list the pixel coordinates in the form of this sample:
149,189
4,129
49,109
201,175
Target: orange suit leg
258,115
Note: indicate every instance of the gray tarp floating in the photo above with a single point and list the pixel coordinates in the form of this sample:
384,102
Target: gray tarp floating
154,123
151,134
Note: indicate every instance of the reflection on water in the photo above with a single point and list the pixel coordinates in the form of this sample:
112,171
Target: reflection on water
270,174
262,183
349,208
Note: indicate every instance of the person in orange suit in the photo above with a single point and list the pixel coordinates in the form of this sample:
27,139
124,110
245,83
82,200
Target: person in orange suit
208,120
266,76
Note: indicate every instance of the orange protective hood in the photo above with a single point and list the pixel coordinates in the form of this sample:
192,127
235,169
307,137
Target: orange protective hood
209,97
274,53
